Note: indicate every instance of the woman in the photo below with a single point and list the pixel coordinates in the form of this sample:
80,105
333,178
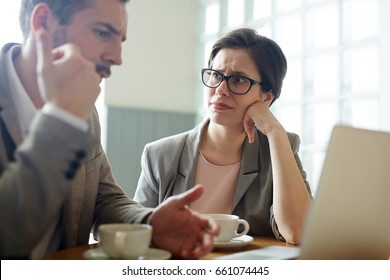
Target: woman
247,162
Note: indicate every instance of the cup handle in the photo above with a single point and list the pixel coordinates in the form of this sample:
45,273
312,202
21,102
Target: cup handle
246,227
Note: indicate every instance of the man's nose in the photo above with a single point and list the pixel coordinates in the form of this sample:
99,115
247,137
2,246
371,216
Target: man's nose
114,54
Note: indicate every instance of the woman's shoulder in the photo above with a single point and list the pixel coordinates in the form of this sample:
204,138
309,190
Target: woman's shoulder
177,139
293,138
168,141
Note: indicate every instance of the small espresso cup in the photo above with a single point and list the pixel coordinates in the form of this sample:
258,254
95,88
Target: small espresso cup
229,225
125,241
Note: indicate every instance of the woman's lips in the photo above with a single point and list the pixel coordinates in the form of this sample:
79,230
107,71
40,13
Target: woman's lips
221,106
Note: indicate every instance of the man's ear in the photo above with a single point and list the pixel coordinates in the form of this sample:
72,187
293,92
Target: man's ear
40,17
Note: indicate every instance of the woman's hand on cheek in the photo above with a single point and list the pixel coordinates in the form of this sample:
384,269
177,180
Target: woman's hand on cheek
252,119
259,115
249,127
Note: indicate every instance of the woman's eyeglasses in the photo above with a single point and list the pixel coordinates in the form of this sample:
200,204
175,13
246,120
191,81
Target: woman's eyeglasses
236,83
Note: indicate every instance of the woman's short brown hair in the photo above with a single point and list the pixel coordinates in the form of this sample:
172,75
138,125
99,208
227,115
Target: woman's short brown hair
267,55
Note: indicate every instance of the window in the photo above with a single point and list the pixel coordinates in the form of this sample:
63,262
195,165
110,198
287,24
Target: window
9,23
334,50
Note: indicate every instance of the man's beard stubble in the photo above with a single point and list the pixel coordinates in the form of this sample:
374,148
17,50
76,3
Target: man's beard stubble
60,39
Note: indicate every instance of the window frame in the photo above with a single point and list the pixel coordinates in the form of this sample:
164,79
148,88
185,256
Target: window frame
312,153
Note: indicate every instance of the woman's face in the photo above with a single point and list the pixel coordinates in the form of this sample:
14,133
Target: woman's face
224,107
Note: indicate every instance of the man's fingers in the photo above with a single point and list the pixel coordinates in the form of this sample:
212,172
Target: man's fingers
202,247
189,196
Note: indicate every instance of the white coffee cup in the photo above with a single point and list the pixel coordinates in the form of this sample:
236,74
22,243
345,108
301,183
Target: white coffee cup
125,241
229,225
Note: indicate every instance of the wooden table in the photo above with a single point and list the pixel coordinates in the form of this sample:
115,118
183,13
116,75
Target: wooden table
76,253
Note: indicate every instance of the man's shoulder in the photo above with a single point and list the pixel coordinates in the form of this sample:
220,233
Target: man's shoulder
6,47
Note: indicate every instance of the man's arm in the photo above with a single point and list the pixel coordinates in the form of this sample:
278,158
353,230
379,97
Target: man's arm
35,185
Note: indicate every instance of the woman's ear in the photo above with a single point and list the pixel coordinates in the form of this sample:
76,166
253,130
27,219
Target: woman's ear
267,97
40,17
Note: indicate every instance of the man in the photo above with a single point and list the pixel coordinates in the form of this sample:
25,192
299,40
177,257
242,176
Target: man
56,183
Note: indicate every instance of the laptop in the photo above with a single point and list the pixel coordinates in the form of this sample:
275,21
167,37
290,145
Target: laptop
350,214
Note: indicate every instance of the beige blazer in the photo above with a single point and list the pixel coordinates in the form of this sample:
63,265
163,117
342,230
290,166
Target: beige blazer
57,174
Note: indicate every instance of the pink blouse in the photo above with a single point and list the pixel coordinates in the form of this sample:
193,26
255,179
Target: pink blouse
220,185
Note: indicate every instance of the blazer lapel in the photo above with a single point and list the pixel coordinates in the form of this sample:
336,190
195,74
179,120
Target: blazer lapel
10,120
8,142
11,131
188,160
249,170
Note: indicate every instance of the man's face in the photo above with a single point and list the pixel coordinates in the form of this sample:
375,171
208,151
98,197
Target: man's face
99,32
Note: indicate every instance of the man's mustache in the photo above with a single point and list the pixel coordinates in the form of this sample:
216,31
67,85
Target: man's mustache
103,69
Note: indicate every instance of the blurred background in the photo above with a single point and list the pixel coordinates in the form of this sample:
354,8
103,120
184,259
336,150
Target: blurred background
338,54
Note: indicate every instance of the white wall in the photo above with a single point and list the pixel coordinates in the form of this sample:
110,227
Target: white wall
158,58
385,65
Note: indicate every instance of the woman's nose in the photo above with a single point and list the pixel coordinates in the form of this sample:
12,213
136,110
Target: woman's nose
223,89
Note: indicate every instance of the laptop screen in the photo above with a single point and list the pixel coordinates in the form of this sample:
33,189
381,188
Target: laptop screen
350,215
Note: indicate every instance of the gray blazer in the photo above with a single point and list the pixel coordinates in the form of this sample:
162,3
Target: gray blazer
56,172
168,168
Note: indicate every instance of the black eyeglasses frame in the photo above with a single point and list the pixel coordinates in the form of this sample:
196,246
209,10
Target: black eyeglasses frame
227,78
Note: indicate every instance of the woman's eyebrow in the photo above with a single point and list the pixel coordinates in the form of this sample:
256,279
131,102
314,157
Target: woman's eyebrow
239,73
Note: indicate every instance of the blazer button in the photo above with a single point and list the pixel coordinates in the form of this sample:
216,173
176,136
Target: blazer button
69,174
80,154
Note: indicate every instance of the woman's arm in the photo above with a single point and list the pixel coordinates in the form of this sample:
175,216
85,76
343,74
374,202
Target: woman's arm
290,196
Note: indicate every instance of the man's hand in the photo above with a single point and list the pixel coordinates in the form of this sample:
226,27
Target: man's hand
65,78
180,230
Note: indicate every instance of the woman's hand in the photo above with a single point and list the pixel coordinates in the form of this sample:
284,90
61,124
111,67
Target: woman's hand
290,196
259,115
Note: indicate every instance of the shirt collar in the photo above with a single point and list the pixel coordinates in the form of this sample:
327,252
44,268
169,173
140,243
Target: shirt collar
23,104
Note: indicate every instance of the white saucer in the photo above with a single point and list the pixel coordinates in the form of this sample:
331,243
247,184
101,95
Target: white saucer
151,254
237,242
